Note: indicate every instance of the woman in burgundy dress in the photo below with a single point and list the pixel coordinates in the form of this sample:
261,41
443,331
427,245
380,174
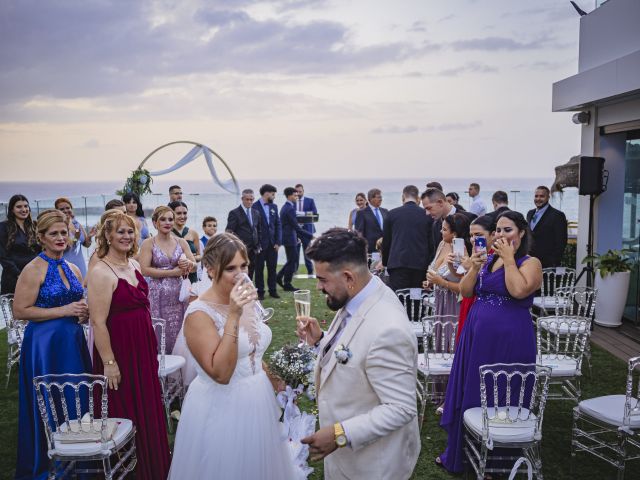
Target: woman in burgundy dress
125,343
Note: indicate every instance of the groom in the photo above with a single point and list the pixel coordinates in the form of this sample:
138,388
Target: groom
366,368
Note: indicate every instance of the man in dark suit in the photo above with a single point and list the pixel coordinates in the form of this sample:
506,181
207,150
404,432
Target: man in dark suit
549,227
292,233
304,205
244,222
370,220
406,242
435,203
270,236
500,202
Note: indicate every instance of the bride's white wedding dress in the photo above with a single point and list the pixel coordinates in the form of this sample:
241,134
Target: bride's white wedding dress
233,431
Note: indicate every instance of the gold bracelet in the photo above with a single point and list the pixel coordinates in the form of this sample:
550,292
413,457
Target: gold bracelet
230,334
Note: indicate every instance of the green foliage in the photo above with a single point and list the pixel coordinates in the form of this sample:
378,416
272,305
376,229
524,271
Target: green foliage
614,261
569,256
139,182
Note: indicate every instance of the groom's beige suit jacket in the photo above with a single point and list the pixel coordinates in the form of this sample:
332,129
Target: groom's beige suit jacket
373,395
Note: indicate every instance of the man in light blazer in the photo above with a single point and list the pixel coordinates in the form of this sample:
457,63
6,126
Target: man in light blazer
366,368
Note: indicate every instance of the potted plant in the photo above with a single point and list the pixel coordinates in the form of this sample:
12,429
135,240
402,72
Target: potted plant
612,282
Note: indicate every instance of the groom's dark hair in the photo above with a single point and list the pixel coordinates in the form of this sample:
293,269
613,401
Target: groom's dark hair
338,246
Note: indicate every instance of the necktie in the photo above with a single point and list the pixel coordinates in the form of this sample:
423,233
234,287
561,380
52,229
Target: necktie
535,218
330,344
300,205
249,217
378,216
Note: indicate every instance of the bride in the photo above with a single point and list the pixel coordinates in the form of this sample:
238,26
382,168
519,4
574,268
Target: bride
229,424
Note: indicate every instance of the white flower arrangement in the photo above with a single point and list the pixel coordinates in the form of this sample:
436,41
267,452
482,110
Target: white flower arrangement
294,364
342,353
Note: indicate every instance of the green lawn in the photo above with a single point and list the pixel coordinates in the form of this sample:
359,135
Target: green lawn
609,375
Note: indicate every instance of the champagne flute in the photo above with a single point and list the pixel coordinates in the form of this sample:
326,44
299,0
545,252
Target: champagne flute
302,301
263,314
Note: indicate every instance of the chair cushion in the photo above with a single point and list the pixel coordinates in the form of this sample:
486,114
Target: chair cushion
560,367
609,409
437,364
417,329
563,328
519,431
172,363
94,448
549,302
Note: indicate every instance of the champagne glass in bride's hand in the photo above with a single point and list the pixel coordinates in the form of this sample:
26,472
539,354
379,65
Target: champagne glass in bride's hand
302,301
263,314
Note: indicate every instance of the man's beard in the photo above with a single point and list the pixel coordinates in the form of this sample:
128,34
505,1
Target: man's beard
335,303
269,200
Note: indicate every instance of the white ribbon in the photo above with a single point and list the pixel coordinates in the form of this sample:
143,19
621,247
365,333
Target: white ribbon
286,399
194,153
520,461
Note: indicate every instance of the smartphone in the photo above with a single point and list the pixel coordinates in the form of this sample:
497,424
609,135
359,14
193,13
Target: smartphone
458,247
480,245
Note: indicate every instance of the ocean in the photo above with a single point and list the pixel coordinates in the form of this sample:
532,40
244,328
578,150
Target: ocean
334,198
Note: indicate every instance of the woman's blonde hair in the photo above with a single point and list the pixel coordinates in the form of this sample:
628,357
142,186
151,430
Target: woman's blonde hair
220,251
159,211
109,222
46,219
62,200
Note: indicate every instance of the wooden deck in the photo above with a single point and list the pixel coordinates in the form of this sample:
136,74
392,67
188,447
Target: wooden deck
623,342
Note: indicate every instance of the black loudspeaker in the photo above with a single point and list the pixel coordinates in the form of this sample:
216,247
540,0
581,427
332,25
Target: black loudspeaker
591,175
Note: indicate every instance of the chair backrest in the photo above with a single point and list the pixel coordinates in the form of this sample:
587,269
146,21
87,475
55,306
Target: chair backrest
15,328
159,328
416,301
63,400
580,301
439,333
563,337
513,387
632,404
556,277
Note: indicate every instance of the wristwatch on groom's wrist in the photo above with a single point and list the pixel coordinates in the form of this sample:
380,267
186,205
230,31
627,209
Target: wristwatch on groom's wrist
341,438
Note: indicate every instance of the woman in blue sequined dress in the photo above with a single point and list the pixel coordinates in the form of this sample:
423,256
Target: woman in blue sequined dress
49,295
498,328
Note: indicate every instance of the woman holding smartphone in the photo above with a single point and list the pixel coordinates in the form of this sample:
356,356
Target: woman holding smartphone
499,327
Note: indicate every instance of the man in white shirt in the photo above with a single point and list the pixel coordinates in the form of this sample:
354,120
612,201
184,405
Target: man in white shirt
366,368
477,206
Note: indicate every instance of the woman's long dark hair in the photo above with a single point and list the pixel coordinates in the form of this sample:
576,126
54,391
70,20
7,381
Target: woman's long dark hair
12,224
459,224
127,197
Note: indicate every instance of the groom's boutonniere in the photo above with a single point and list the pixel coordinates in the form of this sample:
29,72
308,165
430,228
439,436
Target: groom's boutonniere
342,353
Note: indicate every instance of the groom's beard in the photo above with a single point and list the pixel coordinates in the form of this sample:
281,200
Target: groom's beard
336,302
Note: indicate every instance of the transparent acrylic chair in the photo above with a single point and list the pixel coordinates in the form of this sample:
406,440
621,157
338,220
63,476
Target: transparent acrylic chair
93,445
562,342
513,398
418,303
15,333
434,364
169,371
552,279
608,426
580,301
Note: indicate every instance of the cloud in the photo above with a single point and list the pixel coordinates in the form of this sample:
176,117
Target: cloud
91,143
107,48
446,18
499,43
470,67
443,127
418,26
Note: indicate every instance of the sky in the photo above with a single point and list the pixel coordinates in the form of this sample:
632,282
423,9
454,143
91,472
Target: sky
286,88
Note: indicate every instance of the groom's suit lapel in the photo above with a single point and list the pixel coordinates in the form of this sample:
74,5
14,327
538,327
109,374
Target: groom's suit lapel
350,330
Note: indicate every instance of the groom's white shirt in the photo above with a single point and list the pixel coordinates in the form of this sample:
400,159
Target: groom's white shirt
373,395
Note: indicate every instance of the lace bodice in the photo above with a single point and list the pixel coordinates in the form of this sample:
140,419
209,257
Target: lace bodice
254,338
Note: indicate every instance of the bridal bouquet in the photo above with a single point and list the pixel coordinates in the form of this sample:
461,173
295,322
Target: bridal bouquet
295,365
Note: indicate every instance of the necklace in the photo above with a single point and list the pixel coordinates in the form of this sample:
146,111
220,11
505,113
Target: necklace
117,264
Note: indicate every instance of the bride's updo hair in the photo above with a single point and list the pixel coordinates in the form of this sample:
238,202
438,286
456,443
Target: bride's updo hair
220,251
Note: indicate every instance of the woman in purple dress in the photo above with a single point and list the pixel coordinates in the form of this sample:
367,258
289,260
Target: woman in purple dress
166,259
499,327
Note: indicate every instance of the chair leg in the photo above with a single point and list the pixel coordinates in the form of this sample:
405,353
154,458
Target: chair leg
482,461
533,453
106,467
622,454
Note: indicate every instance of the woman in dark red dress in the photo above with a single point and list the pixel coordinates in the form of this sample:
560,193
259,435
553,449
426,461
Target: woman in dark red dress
125,348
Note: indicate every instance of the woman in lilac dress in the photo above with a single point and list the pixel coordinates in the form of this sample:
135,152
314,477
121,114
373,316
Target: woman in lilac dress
499,327
165,260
